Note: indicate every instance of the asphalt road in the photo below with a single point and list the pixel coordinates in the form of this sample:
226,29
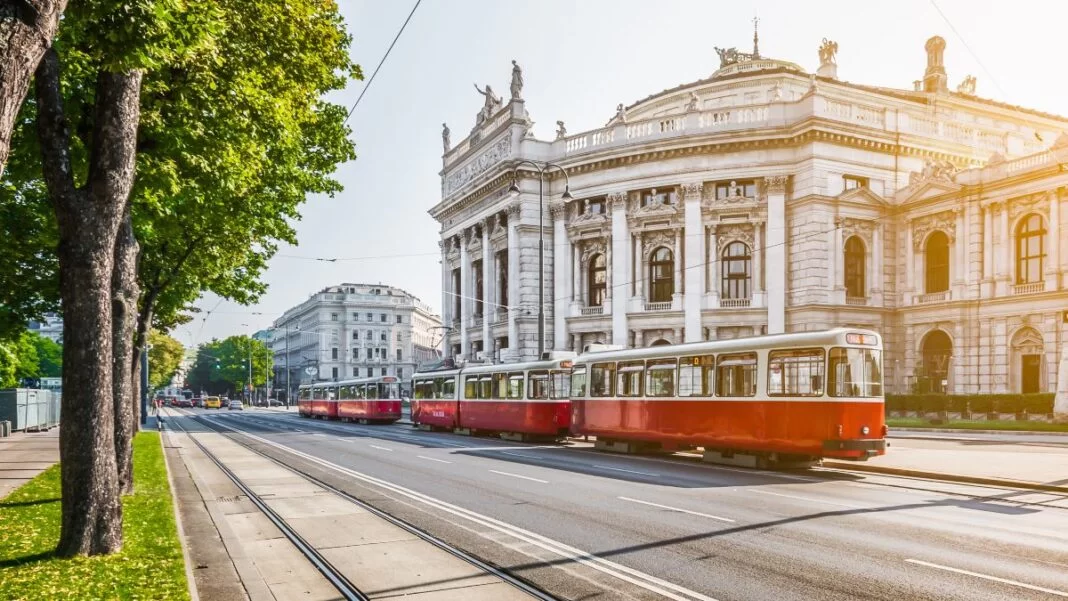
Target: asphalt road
587,525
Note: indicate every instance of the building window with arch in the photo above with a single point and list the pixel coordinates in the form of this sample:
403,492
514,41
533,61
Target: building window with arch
596,281
736,265
661,275
936,258
855,267
1030,249
1027,350
936,353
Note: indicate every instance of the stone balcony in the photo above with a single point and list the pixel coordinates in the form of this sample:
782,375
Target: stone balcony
932,297
857,301
1029,288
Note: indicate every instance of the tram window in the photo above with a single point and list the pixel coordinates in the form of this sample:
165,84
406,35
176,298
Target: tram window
630,379
561,383
538,385
359,392
855,372
470,388
736,375
515,385
346,392
317,394
485,387
695,375
385,391
500,386
578,382
370,391
422,387
795,372
448,388
306,394
660,377
601,377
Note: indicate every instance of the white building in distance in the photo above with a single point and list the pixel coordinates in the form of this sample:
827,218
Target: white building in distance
354,330
765,199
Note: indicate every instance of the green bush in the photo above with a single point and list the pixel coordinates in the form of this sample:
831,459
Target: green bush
1041,402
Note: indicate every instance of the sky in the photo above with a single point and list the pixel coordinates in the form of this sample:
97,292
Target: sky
580,59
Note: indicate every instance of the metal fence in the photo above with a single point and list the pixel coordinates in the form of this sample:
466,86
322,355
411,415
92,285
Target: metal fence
29,409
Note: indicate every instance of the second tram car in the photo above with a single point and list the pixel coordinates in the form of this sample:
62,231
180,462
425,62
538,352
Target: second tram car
368,400
520,399
778,398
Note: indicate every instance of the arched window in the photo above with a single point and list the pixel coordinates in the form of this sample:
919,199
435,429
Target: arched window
660,342
597,282
662,275
855,265
936,253
735,269
936,351
1030,249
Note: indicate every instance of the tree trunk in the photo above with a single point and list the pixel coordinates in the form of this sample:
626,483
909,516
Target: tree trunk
124,313
26,31
88,221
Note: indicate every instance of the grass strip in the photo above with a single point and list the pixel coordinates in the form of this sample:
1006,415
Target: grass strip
150,565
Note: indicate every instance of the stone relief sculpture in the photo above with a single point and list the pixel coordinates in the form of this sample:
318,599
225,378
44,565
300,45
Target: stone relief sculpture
967,87
493,102
445,136
517,81
775,94
621,115
561,131
828,52
938,169
727,56
691,106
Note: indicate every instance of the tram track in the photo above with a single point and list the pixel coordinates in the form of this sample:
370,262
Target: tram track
329,571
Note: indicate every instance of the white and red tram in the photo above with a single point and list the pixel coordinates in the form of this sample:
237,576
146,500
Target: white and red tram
779,397
369,400
526,399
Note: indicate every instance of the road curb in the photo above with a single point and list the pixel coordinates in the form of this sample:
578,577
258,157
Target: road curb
896,471
970,431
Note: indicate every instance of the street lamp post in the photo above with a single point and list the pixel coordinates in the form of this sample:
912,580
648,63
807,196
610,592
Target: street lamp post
541,235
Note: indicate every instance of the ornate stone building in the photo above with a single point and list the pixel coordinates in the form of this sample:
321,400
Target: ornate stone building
764,199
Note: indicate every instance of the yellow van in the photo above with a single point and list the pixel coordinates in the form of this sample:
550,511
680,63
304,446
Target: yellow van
213,402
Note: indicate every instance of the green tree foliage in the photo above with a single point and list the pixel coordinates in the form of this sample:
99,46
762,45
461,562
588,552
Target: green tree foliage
27,364
164,356
49,356
8,364
222,365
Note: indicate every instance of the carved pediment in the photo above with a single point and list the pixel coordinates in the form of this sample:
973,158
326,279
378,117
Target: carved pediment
862,195
1032,203
654,240
851,226
735,232
922,227
589,248
925,189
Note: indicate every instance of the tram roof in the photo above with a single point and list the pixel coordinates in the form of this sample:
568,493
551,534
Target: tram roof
734,345
351,381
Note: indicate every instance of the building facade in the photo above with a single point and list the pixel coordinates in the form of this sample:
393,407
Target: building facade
763,199
51,327
354,330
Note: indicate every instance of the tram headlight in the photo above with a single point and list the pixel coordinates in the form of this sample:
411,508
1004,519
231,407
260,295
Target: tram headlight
864,430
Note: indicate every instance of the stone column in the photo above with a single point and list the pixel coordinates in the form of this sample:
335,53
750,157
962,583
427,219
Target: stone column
618,268
758,264
636,273
446,299
513,280
910,265
679,258
489,307
1004,257
987,284
695,256
713,259
837,261
561,276
465,295
876,279
960,261
1053,257
776,252
577,291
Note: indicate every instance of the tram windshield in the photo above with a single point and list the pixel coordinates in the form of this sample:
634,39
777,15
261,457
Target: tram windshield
856,372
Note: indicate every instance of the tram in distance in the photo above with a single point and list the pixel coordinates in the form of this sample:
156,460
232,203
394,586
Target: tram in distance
769,399
516,400
367,400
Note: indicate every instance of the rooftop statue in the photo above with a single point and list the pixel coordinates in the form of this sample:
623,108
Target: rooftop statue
493,102
967,86
517,81
445,136
828,52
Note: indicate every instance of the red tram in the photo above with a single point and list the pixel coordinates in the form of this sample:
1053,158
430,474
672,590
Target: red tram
518,399
768,399
368,400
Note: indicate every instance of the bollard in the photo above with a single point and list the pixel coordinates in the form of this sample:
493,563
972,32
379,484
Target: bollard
5,428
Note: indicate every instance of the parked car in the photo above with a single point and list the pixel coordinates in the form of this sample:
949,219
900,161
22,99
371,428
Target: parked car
198,401
274,403
236,404
183,402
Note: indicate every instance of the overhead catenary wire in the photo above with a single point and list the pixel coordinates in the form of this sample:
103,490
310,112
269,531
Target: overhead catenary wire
381,62
968,48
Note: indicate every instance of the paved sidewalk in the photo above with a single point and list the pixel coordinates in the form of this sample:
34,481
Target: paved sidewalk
23,455
1035,466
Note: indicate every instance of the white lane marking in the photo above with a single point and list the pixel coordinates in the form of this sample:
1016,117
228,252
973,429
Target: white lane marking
374,446
619,469
622,572
988,577
320,435
432,459
520,455
697,513
518,476
809,499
